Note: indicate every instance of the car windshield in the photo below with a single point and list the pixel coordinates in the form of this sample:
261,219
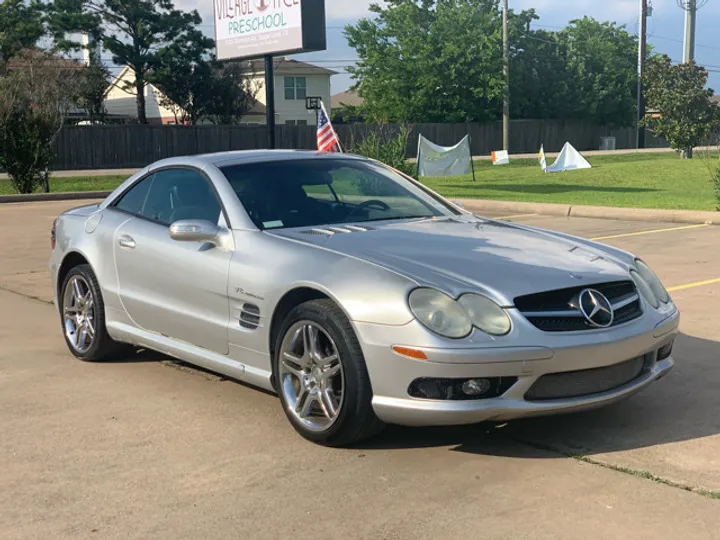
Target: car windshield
327,191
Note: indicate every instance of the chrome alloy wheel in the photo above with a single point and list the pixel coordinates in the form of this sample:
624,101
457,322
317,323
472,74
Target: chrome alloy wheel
79,314
311,376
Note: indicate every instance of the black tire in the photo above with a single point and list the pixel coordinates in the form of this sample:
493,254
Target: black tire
103,347
356,420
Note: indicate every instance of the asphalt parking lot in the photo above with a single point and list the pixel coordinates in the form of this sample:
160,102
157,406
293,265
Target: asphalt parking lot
145,448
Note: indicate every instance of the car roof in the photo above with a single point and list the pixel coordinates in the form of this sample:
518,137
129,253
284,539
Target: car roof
238,157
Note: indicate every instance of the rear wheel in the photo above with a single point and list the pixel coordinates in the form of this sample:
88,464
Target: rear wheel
82,312
322,378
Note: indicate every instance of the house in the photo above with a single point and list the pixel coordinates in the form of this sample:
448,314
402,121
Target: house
122,102
294,81
345,99
345,108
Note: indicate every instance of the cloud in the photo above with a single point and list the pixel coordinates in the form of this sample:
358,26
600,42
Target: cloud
346,9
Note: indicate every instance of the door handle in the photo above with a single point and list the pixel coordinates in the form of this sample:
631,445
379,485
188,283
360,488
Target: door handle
126,242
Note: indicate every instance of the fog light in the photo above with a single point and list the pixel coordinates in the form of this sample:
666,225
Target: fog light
460,389
475,387
665,351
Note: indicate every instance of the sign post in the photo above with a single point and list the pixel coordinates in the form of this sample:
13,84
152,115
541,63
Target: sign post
270,100
247,29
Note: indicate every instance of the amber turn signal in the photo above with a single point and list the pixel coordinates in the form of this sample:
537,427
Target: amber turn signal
415,354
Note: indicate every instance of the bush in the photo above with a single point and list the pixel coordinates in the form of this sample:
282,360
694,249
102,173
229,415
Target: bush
386,145
34,100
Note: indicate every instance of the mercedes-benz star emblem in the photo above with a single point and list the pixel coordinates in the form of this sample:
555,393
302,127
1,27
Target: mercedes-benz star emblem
596,308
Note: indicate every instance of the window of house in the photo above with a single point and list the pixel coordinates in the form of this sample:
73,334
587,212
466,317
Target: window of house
295,87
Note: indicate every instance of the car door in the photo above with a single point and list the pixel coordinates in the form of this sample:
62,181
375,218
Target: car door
177,289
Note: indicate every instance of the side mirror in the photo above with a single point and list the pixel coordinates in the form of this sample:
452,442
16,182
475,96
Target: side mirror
459,204
194,230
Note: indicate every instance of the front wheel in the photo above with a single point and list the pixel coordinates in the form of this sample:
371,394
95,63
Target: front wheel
322,378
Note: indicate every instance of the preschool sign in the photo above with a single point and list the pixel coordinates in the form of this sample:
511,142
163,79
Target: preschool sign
254,28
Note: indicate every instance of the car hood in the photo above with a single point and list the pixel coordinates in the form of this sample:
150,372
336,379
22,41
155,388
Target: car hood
458,255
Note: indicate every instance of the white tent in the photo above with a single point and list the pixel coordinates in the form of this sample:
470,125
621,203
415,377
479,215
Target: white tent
568,160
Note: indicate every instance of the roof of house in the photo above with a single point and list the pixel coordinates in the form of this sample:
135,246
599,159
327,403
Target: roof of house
287,66
344,99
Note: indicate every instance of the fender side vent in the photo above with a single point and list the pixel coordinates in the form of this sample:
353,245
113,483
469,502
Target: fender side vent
250,316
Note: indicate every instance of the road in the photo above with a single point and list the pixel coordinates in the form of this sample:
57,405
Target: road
146,448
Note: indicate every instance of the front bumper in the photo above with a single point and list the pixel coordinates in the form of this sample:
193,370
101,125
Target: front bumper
391,374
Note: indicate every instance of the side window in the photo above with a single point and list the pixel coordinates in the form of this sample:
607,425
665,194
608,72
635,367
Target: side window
178,194
134,199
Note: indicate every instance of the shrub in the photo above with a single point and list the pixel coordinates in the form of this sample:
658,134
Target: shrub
34,100
387,145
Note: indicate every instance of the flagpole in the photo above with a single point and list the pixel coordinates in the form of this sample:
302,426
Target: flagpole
467,132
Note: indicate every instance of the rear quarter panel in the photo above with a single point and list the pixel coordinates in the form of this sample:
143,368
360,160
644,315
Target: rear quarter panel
88,232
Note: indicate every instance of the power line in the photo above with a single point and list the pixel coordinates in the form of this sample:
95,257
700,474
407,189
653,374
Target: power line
680,41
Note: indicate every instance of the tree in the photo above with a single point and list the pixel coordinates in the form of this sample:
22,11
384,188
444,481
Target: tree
233,94
93,83
540,81
138,33
682,108
586,71
199,89
21,27
602,60
441,61
432,60
35,98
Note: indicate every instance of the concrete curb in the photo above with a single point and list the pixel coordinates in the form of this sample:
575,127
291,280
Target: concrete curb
600,212
549,209
476,205
61,196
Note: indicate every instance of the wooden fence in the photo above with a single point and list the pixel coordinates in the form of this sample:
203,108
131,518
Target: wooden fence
129,146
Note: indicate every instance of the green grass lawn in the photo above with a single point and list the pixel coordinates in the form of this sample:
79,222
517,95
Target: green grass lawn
77,183
655,180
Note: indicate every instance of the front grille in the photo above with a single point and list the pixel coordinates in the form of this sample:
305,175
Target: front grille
586,382
558,311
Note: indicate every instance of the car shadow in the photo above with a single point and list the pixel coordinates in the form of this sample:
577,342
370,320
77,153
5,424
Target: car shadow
681,407
136,356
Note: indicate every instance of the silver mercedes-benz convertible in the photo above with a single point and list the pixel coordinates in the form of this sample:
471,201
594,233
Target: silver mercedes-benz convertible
356,294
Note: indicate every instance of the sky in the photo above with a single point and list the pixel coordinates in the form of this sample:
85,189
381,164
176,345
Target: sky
665,28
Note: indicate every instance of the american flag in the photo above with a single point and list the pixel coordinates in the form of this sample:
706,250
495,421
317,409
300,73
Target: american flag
327,139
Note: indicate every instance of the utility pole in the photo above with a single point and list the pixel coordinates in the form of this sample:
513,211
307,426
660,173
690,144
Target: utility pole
506,75
690,7
642,47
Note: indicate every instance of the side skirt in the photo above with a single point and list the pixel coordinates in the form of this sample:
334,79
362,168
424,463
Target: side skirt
191,354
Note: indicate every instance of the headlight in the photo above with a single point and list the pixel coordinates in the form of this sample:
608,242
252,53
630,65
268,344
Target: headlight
486,314
440,313
653,281
645,289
